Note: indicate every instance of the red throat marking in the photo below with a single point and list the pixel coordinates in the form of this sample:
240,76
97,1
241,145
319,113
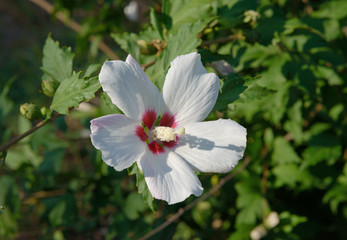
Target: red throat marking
148,120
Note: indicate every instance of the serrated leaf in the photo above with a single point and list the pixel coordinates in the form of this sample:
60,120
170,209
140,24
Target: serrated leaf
290,174
183,42
155,22
255,92
109,103
56,61
51,165
316,154
249,200
141,185
283,152
335,196
72,91
91,69
133,206
329,74
186,11
127,41
10,203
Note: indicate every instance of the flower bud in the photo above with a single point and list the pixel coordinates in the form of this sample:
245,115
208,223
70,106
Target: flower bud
45,112
272,220
49,86
145,47
251,17
30,111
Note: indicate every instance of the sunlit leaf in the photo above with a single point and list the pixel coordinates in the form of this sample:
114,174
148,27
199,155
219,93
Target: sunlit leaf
72,91
56,61
142,186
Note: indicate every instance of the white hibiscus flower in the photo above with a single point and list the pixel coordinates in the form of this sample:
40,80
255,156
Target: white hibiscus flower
163,132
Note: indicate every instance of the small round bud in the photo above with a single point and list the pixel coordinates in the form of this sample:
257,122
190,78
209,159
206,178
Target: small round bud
45,112
145,47
30,111
49,86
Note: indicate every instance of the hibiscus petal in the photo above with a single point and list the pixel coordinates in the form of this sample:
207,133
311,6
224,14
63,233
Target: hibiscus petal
189,91
214,146
169,177
129,87
115,136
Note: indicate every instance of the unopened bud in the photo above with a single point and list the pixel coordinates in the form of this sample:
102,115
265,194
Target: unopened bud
145,47
222,67
251,17
46,112
49,87
258,232
30,111
272,220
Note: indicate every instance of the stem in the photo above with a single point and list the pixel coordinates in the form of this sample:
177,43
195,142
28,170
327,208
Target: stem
147,65
13,141
192,204
49,8
222,40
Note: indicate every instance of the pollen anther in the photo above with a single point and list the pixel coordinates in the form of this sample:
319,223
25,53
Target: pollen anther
166,134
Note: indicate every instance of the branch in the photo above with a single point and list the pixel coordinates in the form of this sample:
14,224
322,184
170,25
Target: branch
222,40
49,8
13,141
192,204
147,65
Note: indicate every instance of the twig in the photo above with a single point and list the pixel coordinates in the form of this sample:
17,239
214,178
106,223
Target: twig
147,65
192,204
49,8
222,40
13,141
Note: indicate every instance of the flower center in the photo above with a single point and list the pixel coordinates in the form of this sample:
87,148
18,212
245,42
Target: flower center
158,132
166,134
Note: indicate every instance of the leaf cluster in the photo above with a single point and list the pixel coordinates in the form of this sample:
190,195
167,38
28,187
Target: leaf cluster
282,67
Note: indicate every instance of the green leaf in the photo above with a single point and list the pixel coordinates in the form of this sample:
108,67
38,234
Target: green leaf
52,162
249,200
187,11
332,29
141,185
202,213
315,154
329,75
92,69
109,103
155,22
56,216
283,152
183,42
127,41
20,155
290,174
294,124
336,196
6,104
289,221
72,91
255,92
56,61
232,87
10,203
134,205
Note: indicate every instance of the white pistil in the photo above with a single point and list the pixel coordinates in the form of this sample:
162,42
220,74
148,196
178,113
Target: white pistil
166,134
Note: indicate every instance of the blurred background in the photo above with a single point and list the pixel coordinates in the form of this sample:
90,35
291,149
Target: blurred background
291,56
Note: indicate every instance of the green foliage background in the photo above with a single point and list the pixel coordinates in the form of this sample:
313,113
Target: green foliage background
288,89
